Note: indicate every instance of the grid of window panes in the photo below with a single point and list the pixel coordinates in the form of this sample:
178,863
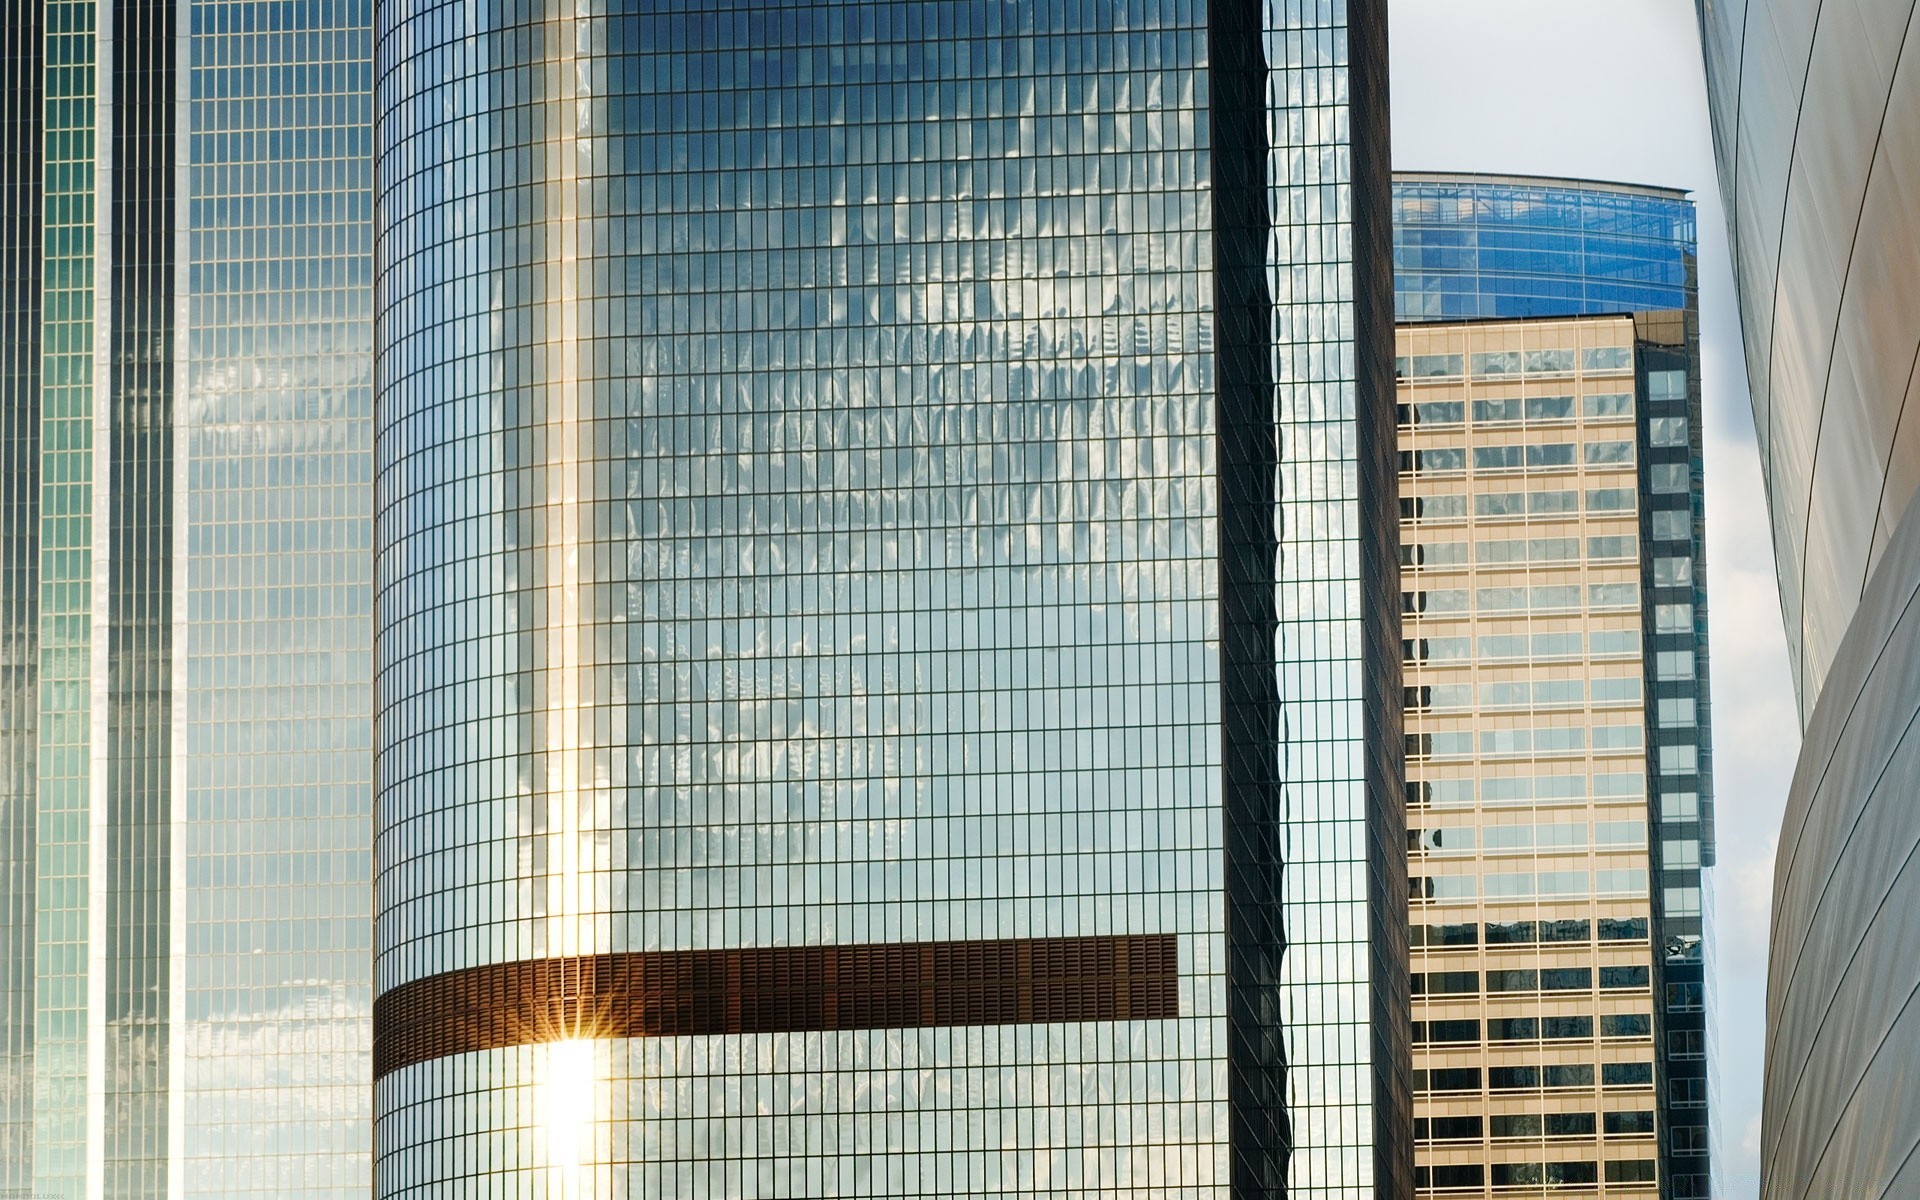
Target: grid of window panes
1528,817
275,1013
135,888
1468,246
801,528
21,179
63,888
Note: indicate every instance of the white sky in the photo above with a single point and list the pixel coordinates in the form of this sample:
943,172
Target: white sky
1613,89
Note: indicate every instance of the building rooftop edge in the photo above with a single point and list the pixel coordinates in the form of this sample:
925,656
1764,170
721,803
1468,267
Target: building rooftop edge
1629,314
1585,185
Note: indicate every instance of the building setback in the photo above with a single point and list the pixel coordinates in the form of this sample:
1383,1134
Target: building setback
844,471
1559,774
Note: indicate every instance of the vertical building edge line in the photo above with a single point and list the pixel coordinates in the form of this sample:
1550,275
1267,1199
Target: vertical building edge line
99,608
1382,695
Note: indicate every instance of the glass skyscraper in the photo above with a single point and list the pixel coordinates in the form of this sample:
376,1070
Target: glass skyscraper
886,564
185,598
1560,767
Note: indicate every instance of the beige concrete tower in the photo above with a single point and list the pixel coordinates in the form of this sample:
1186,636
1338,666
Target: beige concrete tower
1534,923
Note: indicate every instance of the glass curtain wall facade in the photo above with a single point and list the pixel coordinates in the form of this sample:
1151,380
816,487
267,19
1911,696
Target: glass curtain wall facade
1816,114
1481,246
831,568
185,560
1667,772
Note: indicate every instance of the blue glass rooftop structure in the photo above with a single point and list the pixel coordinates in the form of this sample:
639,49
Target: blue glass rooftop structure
1479,246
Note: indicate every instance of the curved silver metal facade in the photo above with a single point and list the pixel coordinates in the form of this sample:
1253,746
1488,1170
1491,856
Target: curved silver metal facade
1816,111
827,461
1842,1111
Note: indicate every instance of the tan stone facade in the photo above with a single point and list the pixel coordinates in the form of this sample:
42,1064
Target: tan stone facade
1528,819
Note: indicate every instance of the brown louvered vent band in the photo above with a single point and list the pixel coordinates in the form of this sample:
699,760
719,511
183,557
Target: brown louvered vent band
670,993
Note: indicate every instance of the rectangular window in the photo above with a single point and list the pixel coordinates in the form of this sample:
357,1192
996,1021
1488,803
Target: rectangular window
1497,458
1613,547
1626,1025
1673,664
1616,691
1434,554
1451,1079
1440,458
1568,1075
1667,431
1666,385
1549,362
1550,598
1467,934
1680,854
1671,477
1631,1170
1506,646
1619,784
1606,358
1672,572
1513,1029
1566,979
1686,1045
1617,978
1456,1175
1502,1079
1610,500
1443,601
1552,454
1612,595
1629,929
1435,366
1620,833
1606,454
1434,412
1618,737
1672,525
1454,1129
1606,406
1550,408
1626,1074
1434,508
1679,760
1620,881
1446,983
1486,412
1500,599
1549,503
1497,362
1614,641
1513,981
1673,618
1500,504
1446,1031
1686,997
1566,1029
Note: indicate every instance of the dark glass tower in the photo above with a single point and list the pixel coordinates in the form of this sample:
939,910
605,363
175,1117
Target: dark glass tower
885,601
1551,428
